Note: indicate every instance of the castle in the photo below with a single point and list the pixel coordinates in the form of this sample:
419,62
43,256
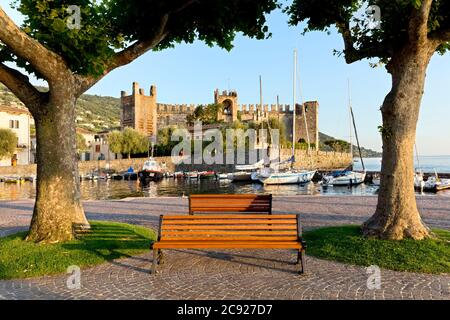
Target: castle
146,115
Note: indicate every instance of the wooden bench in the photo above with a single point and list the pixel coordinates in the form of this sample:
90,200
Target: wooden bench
229,231
230,203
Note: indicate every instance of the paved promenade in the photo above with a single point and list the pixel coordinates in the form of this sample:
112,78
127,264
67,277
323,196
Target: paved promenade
230,274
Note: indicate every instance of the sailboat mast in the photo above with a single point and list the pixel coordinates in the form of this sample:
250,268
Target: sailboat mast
260,98
308,140
357,139
294,101
350,119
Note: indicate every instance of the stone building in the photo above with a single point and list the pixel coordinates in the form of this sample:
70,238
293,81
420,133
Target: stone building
146,115
18,120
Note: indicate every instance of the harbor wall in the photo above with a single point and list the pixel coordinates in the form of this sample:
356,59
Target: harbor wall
317,159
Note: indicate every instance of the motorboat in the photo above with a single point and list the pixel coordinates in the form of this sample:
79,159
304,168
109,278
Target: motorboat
268,177
244,173
151,171
344,178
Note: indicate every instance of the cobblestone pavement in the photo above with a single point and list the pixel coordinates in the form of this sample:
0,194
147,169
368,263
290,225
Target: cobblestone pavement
230,274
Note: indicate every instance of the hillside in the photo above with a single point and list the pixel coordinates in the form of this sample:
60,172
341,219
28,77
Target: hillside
95,113
366,153
99,113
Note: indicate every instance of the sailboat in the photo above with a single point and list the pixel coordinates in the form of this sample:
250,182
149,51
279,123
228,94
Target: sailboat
271,175
432,184
245,172
348,177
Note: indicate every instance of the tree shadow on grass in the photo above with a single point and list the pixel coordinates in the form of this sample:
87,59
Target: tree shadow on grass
110,243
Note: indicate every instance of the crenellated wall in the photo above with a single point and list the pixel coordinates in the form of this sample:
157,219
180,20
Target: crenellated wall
148,116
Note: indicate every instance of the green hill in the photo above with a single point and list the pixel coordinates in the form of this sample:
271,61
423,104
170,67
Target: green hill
366,153
95,113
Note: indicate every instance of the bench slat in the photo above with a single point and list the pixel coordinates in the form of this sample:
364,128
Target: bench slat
230,203
230,216
227,245
235,238
249,232
231,222
225,227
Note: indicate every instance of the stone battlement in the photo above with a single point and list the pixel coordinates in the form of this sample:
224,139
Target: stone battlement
145,114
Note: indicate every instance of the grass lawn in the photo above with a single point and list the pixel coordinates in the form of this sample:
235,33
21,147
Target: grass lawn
345,244
106,241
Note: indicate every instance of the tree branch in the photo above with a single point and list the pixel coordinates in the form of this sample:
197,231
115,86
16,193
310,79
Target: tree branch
47,63
21,87
351,53
127,55
418,25
134,51
440,36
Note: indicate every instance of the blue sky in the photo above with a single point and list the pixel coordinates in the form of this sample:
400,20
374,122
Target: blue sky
190,73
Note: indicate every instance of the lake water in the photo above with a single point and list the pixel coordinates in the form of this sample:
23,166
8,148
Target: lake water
426,163
106,190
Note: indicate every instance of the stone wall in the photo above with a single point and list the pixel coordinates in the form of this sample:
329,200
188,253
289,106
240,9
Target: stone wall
318,159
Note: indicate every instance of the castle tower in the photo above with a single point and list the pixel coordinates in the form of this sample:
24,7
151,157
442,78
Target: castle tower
139,111
229,100
312,118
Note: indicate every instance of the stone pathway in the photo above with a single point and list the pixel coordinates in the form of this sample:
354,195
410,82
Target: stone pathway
230,274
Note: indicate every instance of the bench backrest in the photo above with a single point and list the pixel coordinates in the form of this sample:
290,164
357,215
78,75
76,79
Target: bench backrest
230,203
230,227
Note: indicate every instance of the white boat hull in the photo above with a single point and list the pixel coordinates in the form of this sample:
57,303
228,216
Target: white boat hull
287,178
351,179
241,176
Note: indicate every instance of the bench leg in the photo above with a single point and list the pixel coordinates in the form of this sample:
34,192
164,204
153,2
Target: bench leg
155,261
302,261
160,257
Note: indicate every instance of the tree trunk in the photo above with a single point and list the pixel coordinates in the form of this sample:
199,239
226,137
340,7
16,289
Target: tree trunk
58,208
397,216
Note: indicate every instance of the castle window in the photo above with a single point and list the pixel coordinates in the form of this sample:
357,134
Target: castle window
227,107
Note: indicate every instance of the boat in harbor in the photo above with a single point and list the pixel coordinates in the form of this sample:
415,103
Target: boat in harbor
13,179
222,176
433,184
344,178
244,173
267,177
178,175
192,175
272,175
348,177
207,175
151,171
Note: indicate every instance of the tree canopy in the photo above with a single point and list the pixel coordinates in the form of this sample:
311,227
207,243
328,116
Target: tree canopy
110,26
8,143
362,39
129,142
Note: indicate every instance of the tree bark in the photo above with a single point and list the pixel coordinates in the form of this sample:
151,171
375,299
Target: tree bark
58,208
397,216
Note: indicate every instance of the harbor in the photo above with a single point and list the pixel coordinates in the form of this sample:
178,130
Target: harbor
182,187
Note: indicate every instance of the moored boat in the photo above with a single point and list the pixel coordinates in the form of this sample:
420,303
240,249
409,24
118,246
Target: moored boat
289,177
432,184
344,178
207,175
223,176
151,171
13,179
193,175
